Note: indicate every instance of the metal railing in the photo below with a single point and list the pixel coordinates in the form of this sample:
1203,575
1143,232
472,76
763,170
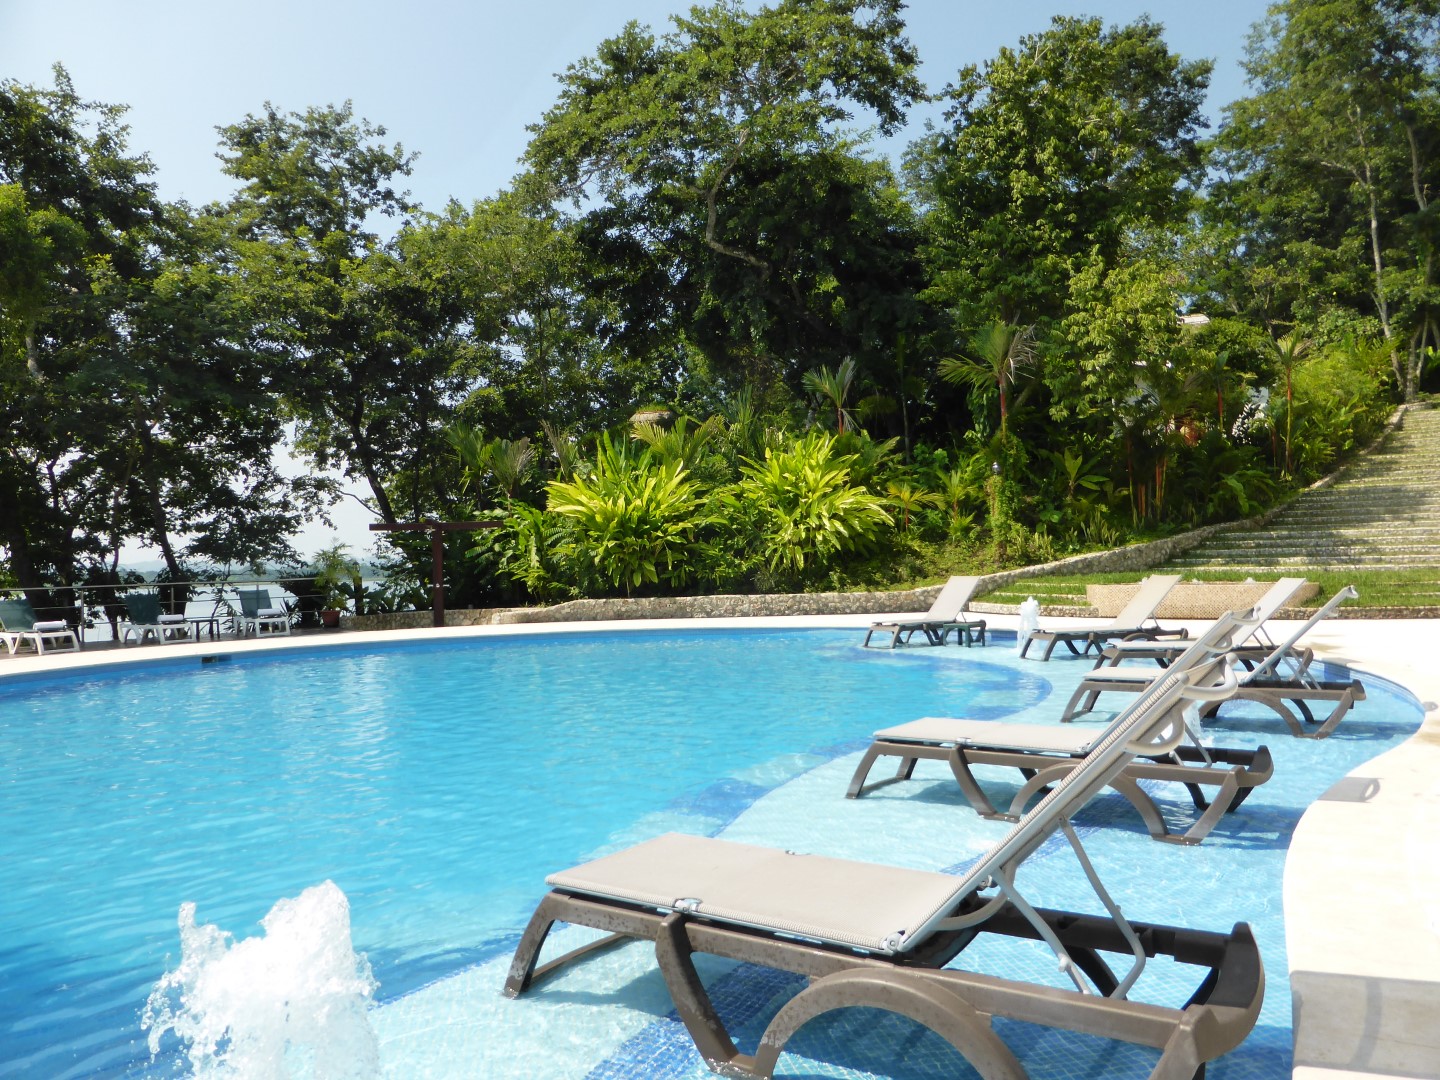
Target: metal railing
96,612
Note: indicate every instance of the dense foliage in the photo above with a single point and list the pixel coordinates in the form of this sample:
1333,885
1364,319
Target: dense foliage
708,338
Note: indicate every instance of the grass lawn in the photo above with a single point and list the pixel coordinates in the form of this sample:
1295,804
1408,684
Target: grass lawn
1390,589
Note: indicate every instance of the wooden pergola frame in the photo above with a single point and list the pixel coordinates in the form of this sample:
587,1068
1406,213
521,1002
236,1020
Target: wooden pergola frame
436,529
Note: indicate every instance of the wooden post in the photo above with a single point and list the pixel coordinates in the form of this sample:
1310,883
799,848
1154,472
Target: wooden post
437,551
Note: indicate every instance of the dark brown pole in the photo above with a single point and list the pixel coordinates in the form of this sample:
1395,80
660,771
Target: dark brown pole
437,551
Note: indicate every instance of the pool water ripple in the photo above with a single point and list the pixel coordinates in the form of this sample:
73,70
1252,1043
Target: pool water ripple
438,784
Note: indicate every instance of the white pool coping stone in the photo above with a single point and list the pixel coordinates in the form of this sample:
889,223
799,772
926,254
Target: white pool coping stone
1362,876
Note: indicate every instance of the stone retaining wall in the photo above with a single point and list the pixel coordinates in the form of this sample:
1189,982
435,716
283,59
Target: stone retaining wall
1192,599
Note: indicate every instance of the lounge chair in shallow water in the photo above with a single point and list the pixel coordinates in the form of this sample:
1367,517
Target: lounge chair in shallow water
946,614
257,613
1251,649
145,619
878,936
1046,752
18,626
1281,681
1135,620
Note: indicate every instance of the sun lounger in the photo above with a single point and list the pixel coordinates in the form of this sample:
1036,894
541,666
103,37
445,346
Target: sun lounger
1135,620
1046,752
147,620
1256,647
1281,681
946,614
258,613
18,626
878,936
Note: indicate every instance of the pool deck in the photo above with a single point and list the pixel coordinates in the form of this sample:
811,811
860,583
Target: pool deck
1362,878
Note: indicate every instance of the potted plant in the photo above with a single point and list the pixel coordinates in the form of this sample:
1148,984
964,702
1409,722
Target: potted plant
339,582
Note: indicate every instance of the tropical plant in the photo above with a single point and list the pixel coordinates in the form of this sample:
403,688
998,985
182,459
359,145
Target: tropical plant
339,579
833,387
1001,353
529,551
1290,352
808,512
907,498
635,520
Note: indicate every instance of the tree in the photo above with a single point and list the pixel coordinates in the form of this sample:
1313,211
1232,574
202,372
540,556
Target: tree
372,348
1001,353
1050,157
1334,161
138,411
723,202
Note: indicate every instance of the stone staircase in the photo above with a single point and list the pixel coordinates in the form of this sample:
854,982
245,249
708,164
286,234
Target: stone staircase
1381,513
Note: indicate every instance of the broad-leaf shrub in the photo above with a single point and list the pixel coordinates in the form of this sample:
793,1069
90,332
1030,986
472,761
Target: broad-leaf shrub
806,512
634,521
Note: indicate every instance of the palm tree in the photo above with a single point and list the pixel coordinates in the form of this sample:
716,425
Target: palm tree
1001,352
834,387
908,498
1215,374
1290,351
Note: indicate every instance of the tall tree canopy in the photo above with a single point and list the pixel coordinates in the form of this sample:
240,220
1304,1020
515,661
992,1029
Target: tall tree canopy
1056,153
370,348
720,188
1335,163
134,411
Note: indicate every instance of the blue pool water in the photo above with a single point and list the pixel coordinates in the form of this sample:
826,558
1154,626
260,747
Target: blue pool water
438,784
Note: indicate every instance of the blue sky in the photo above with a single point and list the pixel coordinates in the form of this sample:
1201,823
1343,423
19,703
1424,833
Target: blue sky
454,81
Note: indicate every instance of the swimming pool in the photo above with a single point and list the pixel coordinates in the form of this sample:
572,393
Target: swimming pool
437,784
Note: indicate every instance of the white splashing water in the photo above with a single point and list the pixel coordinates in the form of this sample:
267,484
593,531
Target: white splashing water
289,1004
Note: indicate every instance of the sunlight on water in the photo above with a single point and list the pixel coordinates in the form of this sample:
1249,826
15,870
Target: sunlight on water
290,1003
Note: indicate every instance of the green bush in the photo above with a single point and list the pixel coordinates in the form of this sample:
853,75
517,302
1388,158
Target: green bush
804,509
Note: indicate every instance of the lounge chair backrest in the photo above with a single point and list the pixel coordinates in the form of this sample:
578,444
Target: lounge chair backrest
17,615
1268,665
143,608
953,599
1146,599
1274,599
1202,672
253,601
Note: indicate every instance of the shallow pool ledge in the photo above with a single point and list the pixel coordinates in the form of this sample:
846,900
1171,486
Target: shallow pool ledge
1362,884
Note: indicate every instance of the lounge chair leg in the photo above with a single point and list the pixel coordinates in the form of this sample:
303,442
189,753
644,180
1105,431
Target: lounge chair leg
692,1002
523,972
936,1007
858,786
960,767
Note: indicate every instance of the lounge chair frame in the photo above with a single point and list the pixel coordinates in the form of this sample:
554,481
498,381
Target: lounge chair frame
1233,773
944,617
957,1005
18,627
1135,621
1288,696
747,903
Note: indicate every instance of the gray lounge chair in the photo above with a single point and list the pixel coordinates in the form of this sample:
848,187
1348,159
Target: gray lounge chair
18,626
257,614
946,614
146,619
877,936
1135,620
1280,681
1045,752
